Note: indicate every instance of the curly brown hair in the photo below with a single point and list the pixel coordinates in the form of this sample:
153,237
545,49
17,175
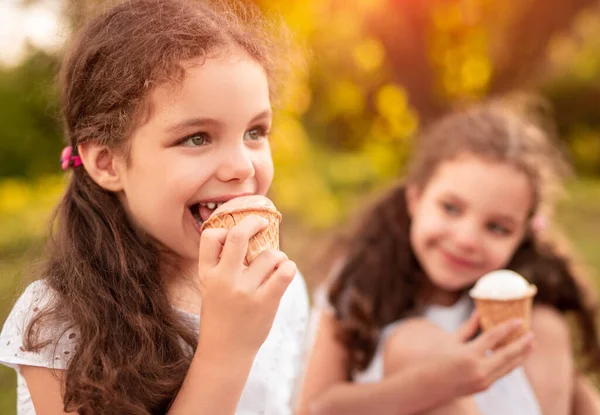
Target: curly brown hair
133,348
380,280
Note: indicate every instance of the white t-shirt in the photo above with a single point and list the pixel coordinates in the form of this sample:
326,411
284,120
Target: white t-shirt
271,383
511,394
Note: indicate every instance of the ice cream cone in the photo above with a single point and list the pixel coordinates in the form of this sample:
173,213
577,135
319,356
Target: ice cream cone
231,213
493,312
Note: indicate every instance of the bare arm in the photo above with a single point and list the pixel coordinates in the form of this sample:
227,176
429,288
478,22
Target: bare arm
554,393
326,390
45,389
419,387
215,381
411,391
586,400
326,365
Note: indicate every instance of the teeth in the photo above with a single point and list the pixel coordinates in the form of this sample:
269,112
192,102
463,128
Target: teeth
211,205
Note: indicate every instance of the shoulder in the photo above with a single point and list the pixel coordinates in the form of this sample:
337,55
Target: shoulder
36,297
549,325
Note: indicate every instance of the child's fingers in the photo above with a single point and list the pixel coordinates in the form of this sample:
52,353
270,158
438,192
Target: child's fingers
262,267
492,337
236,244
211,245
504,360
274,287
469,328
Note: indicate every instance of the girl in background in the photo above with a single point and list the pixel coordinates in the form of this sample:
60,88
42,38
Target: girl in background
167,113
396,304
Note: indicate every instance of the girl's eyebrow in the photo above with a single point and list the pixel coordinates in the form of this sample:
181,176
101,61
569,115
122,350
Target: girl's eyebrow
453,197
192,122
263,114
203,122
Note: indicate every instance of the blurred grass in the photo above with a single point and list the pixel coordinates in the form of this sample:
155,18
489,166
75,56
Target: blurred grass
579,216
11,273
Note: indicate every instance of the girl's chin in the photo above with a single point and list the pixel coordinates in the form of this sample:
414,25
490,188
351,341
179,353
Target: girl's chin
450,282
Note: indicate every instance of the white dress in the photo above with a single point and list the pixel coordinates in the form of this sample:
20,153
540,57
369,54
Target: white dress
511,394
271,383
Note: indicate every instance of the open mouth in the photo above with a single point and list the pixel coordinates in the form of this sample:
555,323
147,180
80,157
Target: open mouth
459,261
202,211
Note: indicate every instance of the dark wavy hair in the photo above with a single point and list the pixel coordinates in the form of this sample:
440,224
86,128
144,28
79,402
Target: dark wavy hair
133,349
380,279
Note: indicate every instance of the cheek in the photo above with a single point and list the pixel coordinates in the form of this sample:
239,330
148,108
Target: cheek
425,232
429,225
264,172
184,177
502,252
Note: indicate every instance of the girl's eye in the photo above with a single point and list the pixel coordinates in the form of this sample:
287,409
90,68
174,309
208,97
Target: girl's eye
498,229
256,134
450,208
195,140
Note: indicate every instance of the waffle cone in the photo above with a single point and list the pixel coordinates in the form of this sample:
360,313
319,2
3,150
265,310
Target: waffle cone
493,312
266,239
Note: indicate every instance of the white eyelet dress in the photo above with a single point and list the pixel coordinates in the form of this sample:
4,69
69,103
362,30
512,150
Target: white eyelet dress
271,384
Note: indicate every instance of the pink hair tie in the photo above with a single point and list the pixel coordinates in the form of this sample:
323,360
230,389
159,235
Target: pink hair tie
67,159
539,223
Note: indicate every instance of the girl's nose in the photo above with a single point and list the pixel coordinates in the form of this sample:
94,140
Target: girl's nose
467,236
236,164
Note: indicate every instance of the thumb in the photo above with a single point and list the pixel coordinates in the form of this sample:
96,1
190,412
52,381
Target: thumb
469,328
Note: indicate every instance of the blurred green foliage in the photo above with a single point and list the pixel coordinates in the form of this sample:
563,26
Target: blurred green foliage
30,139
377,71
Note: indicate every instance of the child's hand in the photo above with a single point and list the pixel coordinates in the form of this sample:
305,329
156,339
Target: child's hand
476,366
239,302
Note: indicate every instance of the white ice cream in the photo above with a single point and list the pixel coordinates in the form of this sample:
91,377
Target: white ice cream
500,285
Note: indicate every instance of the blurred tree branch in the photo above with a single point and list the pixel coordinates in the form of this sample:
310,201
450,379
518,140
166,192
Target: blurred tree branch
519,32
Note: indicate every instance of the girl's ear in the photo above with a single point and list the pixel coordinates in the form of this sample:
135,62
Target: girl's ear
100,162
413,195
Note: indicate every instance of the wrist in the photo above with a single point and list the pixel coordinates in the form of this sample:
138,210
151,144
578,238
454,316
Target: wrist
448,375
223,353
215,379
440,376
